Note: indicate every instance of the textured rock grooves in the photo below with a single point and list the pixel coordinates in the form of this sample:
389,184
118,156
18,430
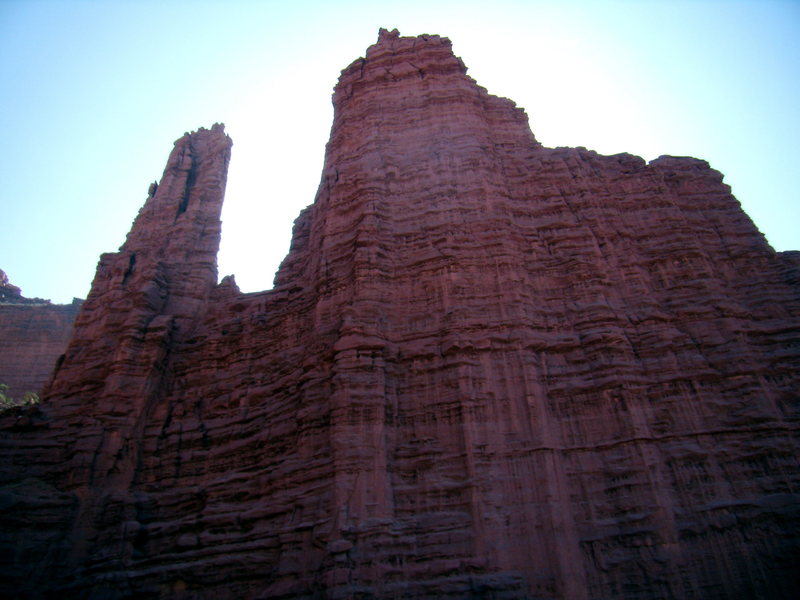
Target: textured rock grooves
487,369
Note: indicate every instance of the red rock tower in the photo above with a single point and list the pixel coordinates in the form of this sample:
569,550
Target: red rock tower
487,369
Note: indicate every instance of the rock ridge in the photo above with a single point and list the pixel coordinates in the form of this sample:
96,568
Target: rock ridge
487,369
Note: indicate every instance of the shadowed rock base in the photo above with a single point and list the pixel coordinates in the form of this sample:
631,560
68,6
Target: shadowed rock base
487,369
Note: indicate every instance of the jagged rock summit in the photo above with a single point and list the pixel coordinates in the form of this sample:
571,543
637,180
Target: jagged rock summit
487,369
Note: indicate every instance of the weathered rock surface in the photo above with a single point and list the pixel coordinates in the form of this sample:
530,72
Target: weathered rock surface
33,335
488,369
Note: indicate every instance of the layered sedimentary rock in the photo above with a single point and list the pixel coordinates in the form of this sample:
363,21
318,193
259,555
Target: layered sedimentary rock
33,335
487,369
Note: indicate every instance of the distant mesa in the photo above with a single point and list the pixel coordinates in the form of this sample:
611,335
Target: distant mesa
33,334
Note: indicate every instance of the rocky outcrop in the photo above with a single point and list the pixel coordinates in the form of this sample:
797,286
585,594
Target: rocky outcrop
487,369
33,335
8,292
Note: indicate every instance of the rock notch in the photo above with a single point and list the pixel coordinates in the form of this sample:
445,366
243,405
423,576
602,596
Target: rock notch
487,369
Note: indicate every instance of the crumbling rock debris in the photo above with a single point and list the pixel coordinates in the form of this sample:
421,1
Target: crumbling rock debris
487,369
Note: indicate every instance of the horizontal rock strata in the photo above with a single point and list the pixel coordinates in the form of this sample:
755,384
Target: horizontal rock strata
487,369
33,335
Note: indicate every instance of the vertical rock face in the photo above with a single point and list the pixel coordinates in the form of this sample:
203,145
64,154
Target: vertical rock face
487,369
87,444
146,297
33,334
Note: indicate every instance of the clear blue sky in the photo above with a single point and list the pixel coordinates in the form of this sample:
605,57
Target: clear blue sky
94,93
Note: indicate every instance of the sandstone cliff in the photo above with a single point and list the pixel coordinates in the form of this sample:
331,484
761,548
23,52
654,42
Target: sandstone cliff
487,369
33,335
